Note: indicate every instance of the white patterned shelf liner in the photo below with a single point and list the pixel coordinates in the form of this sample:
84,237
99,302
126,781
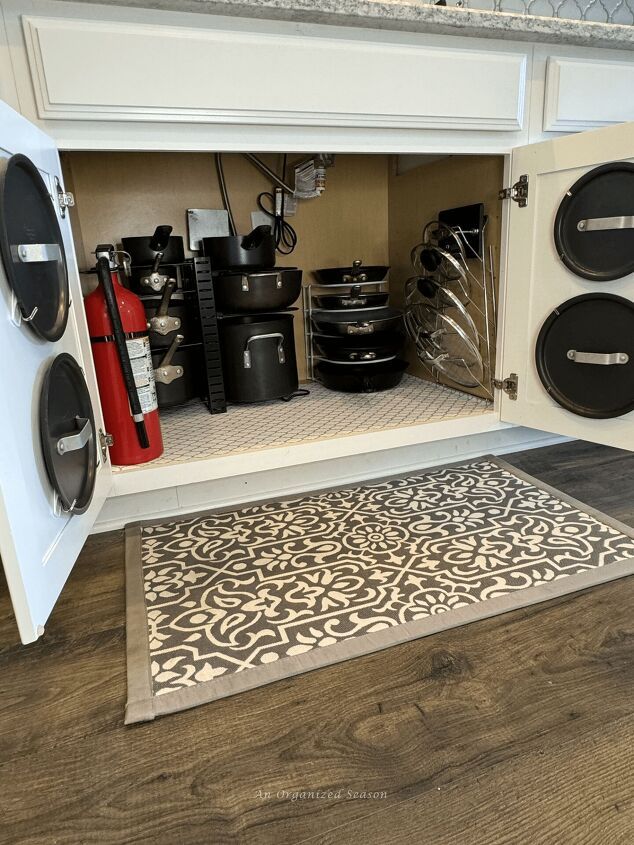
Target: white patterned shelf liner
191,433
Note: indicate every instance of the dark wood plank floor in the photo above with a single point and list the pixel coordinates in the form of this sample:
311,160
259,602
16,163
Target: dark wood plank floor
518,729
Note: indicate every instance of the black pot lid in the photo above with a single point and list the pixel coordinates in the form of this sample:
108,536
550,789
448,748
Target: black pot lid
32,248
67,429
594,226
585,355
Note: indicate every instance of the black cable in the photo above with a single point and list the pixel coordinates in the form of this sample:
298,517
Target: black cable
283,233
296,394
225,194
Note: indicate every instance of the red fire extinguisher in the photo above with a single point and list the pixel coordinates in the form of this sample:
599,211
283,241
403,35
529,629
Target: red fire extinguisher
123,361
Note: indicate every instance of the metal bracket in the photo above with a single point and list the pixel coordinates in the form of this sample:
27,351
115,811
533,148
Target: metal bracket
605,359
155,281
518,193
105,441
17,313
167,374
164,325
509,385
602,224
76,441
65,199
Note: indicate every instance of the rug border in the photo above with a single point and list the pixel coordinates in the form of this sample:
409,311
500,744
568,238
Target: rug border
142,706
139,705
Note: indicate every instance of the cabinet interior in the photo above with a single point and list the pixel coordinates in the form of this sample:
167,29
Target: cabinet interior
374,208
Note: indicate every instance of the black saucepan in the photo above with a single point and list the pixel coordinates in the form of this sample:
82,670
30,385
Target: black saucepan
362,322
358,273
355,298
258,357
359,348
144,249
238,252
368,377
264,290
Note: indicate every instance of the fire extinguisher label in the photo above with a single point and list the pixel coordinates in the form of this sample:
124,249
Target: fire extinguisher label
143,370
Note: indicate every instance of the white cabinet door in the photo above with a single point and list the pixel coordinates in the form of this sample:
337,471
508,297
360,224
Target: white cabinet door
538,281
38,548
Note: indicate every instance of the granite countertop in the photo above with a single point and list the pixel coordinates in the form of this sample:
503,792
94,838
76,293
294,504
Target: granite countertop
409,16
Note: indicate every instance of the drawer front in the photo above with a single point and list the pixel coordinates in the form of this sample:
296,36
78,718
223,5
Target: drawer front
145,72
584,93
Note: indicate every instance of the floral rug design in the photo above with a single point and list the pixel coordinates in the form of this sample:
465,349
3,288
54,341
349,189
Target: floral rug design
227,594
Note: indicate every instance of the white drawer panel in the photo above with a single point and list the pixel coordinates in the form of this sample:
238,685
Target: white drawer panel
85,70
583,93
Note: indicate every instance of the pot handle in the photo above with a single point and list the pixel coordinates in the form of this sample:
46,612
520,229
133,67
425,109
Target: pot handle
280,347
166,372
255,238
245,280
164,304
360,328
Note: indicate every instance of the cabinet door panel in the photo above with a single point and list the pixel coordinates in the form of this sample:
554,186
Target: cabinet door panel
170,74
585,93
538,281
38,548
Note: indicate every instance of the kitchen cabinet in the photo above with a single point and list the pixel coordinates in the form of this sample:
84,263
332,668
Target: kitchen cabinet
40,543
103,77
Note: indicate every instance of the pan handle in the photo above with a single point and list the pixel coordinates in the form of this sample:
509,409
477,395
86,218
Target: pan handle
280,347
78,439
360,328
164,304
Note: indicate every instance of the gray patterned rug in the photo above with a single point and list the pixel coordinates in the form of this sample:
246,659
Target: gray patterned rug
223,602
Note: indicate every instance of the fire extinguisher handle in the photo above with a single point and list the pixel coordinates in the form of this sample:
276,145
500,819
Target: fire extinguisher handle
103,273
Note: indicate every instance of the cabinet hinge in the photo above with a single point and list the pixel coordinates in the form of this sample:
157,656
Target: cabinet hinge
518,193
64,198
508,385
105,440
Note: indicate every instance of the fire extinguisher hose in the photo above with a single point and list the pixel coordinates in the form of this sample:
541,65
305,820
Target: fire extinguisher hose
103,273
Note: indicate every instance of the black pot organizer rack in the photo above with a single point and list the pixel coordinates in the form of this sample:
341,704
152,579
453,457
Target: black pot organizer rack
215,398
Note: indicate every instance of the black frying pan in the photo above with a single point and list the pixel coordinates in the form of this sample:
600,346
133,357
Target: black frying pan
355,298
362,322
349,275
359,348
368,377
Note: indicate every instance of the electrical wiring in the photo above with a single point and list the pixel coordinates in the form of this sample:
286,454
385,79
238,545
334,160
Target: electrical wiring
284,234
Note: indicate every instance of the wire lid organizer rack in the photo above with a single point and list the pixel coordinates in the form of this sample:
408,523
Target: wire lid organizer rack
450,302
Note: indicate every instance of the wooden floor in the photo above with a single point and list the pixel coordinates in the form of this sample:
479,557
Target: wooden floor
518,729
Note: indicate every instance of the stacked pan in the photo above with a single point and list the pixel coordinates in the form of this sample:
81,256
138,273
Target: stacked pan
161,276
355,333
254,300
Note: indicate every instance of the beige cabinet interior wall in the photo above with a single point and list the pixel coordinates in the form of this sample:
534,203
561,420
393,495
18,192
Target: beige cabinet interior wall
368,211
418,194
125,194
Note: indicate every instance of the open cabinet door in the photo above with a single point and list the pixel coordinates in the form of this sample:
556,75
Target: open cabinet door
54,474
568,324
